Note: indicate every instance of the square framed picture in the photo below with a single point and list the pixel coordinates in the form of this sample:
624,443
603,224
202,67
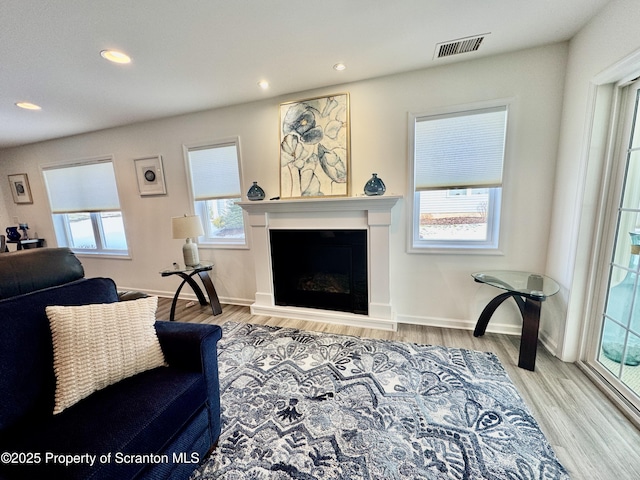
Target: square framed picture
315,147
20,188
150,176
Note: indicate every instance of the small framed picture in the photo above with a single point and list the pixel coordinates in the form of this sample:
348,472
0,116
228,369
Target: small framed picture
20,188
150,176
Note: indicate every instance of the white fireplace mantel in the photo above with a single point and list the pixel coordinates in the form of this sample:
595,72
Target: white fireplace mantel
368,213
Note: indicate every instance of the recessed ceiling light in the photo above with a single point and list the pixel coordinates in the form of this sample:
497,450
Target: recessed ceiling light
115,56
28,106
263,84
339,67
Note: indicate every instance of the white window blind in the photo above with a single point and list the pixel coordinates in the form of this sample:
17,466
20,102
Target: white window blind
464,149
82,187
214,172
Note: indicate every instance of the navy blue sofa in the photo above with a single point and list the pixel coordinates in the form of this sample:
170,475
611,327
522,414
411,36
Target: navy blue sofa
155,425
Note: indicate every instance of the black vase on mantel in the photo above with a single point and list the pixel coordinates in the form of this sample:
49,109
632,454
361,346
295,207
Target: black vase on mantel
375,186
255,192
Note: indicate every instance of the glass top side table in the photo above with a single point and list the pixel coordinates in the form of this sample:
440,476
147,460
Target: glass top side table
529,290
187,273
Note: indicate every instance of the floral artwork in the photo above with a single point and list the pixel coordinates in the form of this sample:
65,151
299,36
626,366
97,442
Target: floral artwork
314,147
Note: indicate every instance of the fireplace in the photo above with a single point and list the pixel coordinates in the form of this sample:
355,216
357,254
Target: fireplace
325,269
371,216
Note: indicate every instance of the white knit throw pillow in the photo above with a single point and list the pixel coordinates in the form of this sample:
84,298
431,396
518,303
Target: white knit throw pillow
97,345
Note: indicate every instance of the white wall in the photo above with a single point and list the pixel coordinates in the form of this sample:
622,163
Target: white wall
609,38
5,219
438,289
425,288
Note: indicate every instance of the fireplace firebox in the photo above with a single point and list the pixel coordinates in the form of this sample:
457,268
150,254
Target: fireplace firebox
324,269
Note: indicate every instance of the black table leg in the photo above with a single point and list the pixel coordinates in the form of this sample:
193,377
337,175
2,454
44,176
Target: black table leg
529,338
216,308
486,314
530,311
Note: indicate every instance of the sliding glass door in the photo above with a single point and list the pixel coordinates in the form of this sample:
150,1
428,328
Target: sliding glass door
616,350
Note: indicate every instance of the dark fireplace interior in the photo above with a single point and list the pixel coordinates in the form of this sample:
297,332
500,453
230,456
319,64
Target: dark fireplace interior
324,269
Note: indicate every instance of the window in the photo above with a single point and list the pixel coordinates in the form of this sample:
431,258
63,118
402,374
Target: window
457,178
214,172
85,207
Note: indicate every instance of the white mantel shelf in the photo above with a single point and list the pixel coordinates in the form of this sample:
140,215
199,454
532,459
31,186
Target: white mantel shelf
319,204
368,213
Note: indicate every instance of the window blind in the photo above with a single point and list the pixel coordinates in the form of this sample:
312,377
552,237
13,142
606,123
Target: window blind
214,172
82,187
460,150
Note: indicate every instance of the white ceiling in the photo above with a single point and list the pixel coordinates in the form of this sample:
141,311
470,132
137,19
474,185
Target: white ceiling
191,55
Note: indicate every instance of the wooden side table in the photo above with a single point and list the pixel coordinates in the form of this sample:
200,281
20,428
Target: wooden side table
187,274
529,290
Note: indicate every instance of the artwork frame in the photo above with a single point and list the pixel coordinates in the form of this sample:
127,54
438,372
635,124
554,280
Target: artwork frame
315,147
20,189
150,176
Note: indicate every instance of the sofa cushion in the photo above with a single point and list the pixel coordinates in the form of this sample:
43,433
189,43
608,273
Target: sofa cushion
27,381
97,345
142,413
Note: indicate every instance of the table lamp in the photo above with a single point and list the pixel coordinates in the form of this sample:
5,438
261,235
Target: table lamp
188,226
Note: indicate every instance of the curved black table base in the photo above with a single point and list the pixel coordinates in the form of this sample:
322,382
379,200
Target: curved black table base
530,310
216,308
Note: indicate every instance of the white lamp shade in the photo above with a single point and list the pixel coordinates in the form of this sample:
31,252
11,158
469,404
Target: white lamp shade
188,226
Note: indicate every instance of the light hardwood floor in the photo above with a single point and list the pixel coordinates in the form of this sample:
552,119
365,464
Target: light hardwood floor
590,436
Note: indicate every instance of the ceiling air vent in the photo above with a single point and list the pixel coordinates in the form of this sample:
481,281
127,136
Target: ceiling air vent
462,45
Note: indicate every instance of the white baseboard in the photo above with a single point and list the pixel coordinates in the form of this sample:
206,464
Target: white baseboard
244,302
549,343
507,329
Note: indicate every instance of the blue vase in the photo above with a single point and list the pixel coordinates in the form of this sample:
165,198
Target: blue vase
622,306
374,186
13,234
255,192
